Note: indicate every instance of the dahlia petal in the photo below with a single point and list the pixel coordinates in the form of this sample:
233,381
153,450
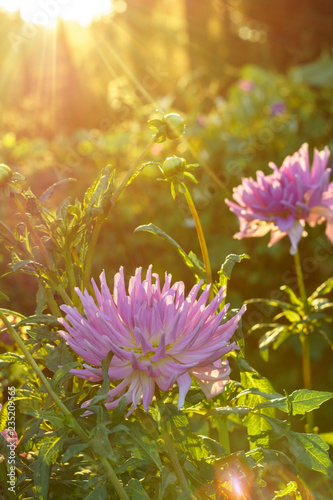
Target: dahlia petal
184,383
295,234
212,378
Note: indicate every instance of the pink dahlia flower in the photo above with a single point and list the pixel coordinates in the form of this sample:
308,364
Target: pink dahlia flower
285,200
158,337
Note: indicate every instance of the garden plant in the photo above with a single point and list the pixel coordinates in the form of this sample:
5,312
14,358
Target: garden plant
166,246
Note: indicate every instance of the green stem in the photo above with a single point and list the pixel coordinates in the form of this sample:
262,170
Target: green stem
300,280
173,455
71,276
223,433
305,341
51,302
73,423
91,253
34,235
201,238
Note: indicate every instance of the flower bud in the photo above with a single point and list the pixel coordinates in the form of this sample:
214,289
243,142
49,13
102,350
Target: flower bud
173,166
5,174
174,125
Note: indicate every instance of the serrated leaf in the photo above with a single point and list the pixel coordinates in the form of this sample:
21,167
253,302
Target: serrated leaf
40,319
302,401
11,357
256,426
135,490
60,356
101,444
56,418
308,449
48,452
100,191
50,447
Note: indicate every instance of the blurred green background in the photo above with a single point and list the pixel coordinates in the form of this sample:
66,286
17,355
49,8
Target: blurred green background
254,81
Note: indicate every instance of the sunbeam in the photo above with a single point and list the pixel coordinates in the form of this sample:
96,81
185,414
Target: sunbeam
48,12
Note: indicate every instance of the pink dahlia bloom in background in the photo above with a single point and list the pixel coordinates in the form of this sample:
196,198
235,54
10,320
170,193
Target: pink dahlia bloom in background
158,337
285,200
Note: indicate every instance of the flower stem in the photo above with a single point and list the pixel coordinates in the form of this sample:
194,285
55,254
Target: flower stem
34,235
223,433
201,238
51,302
71,276
173,455
71,420
300,280
305,341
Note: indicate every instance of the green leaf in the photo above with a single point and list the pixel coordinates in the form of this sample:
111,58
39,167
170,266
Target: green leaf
308,449
49,450
146,444
3,417
132,464
40,319
60,356
191,261
103,391
9,358
99,193
292,487
302,401
242,411
73,450
54,417
135,490
101,443
63,371
323,289
256,426
293,297
228,265
279,334
98,493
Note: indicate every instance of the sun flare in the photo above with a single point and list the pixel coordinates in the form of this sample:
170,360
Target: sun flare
48,12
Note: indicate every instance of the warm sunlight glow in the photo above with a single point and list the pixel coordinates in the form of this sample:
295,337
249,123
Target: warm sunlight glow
47,12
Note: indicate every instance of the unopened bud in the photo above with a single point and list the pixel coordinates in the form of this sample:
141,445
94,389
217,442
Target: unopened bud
174,126
173,166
